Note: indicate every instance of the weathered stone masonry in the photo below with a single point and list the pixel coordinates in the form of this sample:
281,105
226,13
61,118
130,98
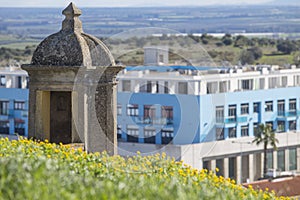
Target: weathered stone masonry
72,91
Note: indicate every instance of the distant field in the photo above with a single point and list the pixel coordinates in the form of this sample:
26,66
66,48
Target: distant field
18,45
277,60
183,50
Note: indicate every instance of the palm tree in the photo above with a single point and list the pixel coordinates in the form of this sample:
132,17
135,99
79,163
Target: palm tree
265,135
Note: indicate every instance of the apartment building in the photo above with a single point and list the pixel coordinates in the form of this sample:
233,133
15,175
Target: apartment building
13,101
215,112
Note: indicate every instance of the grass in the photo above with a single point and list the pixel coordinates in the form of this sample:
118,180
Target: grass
41,170
277,59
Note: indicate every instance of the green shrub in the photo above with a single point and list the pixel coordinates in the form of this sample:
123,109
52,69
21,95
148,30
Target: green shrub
40,170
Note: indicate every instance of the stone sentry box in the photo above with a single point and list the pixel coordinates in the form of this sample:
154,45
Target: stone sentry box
72,89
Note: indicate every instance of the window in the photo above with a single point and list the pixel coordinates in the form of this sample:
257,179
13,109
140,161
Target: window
220,166
206,165
161,58
247,84
293,159
262,83
20,127
157,87
19,105
296,80
232,132
149,113
292,125
219,134
232,167
284,81
167,136
269,106
223,86
212,87
126,86
273,82
132,110
2,80
281,160
119,131
149,87
280,126
232,112
280,107
132,134
143,87
220,114
166,87
119,109
149,135
4,107
255,129
167,113
270,124
245,109
256,107
4,127
244,131
292,105
182,88
19,82
269,160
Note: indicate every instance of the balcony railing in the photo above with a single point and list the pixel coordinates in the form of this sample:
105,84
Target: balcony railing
290,113
242,119
159,121
231,120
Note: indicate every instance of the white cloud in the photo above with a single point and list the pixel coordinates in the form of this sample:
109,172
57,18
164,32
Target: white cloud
113,3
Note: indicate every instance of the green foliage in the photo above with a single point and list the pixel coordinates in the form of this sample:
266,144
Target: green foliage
40,170
247,57
265,135
287,46
226,49
227,40
250,55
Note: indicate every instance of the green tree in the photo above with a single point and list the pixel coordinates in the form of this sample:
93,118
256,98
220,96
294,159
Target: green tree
257,52
286,46
227,39
247,57
296,58
265,135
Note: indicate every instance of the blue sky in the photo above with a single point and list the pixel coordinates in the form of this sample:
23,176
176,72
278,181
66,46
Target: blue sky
113,3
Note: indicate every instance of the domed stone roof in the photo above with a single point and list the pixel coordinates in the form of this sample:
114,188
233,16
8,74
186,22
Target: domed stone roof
71,46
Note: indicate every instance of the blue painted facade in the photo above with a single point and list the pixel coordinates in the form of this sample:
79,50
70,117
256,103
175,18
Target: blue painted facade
194,116
14,111
181,118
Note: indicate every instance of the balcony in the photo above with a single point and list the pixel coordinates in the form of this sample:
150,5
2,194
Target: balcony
158,121
232,120
290,113
242,119
293,113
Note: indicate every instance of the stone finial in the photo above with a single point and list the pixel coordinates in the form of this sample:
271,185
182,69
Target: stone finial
72,23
